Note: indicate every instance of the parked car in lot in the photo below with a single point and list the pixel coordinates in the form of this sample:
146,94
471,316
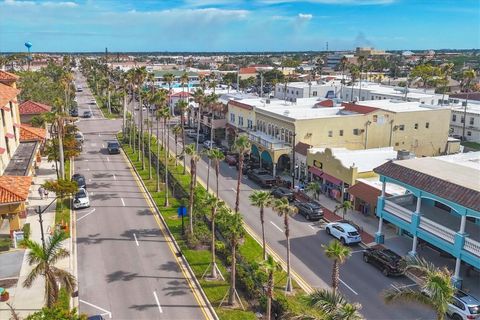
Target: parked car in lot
81,199
231,159
281,192
344,232
209,144
386,260
310,210
80,180
87,114
262,177
113,147
79,137
464,307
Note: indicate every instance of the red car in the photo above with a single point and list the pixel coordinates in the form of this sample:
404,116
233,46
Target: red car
231,160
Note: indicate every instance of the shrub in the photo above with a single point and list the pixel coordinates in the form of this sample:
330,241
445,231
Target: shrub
26,231
202,233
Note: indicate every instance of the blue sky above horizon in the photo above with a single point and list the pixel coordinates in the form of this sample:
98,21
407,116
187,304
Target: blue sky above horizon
237,25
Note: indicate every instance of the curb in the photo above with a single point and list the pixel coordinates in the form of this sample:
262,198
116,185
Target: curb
178,252
73,242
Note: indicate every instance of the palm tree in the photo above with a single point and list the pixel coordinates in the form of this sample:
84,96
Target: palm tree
191,151
182,106
159,99
343,65
285,210
44,258
233,232
334,306
313,187
176,130
436,290
354,74
242,146
339,254
271,266
168,78
184,81
214,203
216,156
166,118
467,78
139,75
261,199
344,206
199,98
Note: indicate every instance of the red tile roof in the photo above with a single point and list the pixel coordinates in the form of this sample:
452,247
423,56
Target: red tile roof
248,70
302,148
14,188
181,94
32,107
7,76
7,94
29,133
358,108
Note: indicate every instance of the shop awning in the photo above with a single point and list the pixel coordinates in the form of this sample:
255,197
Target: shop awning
365,192
315,171
9,135
332,179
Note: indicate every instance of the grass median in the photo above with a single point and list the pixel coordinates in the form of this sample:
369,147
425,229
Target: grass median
62,209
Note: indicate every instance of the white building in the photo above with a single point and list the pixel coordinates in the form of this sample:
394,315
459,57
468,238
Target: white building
299,90
472,125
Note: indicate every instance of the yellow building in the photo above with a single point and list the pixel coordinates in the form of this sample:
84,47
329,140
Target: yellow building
13,195
411,126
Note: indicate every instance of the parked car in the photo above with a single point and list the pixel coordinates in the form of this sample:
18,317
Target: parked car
81,199
464,307
344,232
113,147
223,149
262,177
201,138
191,133
80,180
79,89
209,144
281,192
310,210
74,112
386,260
87,114
79,137
231,159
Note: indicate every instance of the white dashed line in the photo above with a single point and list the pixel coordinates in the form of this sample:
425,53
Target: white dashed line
346,285
234,190
158,302
108,159
114,177
136,241
123,202
86,215
280,229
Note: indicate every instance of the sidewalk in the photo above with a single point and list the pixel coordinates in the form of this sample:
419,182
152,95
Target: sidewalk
28,300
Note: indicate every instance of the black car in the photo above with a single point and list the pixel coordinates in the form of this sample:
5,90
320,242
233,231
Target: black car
87,114
281,192
113,147
80,180
74,112
386,260
310,210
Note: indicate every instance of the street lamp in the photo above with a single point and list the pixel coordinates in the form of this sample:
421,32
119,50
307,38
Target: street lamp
39,211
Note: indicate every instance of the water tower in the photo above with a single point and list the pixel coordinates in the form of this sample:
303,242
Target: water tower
28,44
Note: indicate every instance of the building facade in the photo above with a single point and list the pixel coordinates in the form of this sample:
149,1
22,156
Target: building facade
299,90
466,118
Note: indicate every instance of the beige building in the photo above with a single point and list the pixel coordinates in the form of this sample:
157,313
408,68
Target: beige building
410,126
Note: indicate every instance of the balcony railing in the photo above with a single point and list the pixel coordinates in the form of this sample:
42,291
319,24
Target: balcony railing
267,142
437,229
397,210
402,200
472,246
215,123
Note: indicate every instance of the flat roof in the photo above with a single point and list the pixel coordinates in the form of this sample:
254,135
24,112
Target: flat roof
399,105
467,159
390,188
363,160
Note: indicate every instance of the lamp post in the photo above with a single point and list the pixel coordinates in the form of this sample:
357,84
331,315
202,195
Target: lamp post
39,211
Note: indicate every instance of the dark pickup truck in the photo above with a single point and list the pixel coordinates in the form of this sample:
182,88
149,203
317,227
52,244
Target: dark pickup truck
262,177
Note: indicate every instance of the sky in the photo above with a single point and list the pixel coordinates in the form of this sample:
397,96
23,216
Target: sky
237,25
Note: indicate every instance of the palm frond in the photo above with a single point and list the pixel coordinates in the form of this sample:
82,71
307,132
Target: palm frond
65,278
37,271
408,295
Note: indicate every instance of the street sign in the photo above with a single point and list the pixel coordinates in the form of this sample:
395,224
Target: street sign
182,211
17,238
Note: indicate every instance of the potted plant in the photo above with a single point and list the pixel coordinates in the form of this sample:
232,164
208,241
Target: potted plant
4,296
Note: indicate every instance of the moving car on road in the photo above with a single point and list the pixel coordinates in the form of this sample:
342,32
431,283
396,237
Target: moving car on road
310,210
87,114
113,147
80,180
81,199
386,260
344,232
79,137
464,307
262,177
281,192
74,112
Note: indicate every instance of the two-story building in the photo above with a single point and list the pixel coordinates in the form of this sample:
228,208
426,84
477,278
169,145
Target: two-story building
441,205
293,91
465,120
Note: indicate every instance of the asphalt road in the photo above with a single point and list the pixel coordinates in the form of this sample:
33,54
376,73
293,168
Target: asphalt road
126,269
360,282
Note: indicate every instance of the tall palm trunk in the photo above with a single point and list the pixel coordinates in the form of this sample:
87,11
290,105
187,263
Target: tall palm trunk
288,286
158,156
182,120
60,149
262,221
142,138
190,201
124,118
176,150
214,263
335,275
167,150
217,169
198,126
150,131
231,295
239,178
269,295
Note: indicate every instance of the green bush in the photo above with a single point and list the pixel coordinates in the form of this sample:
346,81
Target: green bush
26,231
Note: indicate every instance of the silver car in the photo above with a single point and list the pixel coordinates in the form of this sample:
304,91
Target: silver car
464,307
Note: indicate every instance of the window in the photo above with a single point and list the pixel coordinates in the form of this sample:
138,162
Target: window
314,93
396,144
249,124
454,117
330,133
340,133
469,133
282,135
240,121
297,92
232,117
3,119
356,132
416,126
269,129
401,127
427,125
472,121
375,118
462,120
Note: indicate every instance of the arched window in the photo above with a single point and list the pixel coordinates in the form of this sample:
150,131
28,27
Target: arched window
269,129
282,135
290,137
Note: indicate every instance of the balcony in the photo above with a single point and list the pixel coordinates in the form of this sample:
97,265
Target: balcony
472,246
215,122
269,142
437,229
394,207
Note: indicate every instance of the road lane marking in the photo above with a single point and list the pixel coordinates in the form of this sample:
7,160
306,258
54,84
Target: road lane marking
346,285
280,229
114,177
311,227
234,190
108,159
103,146
136,240
158,302
97,307
404,286
93,210
123,202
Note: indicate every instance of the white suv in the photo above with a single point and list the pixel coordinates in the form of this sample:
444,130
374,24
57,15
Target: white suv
344,232
464,307
81,199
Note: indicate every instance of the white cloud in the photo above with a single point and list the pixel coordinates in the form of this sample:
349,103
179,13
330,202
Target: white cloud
305,16
334,2
50,4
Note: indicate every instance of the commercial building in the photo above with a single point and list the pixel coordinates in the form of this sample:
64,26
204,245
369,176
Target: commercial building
469,110
441,206
299,90
193,79
334,60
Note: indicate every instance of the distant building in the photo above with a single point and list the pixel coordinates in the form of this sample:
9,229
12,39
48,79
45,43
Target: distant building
298,90
472,125
333,60
367,51
29,109
247,72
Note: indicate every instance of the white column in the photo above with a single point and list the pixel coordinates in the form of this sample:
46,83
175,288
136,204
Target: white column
419,205
384,185
457,268
380,225
274,169
414,246
463,222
